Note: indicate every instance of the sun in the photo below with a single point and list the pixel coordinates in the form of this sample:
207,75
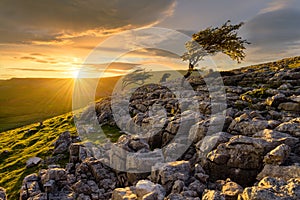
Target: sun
75,73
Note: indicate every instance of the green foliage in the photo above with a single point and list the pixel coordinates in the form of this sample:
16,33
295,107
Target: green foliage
211,41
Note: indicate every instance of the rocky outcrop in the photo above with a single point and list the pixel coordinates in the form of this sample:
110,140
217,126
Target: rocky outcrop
273,188
172,149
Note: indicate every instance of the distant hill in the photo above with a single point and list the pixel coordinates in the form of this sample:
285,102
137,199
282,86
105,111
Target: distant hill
28,100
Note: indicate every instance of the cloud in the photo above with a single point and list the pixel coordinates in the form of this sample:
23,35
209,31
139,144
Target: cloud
274,33
56,20
40,58
276,5
35,69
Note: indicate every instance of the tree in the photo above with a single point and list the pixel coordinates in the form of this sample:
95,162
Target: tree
215,40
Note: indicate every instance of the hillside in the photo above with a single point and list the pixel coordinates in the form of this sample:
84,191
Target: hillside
35,140
257,147
25,101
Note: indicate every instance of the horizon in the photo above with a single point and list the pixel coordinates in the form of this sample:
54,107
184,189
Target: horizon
54,40
122,74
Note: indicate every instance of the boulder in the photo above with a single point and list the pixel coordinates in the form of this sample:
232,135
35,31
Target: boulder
273,188
291,127
123,194
275,100
210,142
278,155
248,126
31,162
61,145
239,159
30,187
166,174
231,190
290,106
147,189
283,172
276,137
212,195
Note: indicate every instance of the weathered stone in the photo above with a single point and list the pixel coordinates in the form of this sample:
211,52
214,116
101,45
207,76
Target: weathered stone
231,190
173,196
291,127
81,187
166,174
198,131
178,186
31,162
240,159
148,190
197,186
283,172
245,125
143,162
123,194
276,137
274,101
30,187
290,106
210,142
278,155
273,188
56,174
61,145
212,195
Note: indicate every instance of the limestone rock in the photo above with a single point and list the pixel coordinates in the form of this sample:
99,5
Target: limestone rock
166,174
238,158
291,127
278,155
248,126
147,189
274,101
283,172
290,106
123,194
61,145
212,195
31,162
273,188
231,190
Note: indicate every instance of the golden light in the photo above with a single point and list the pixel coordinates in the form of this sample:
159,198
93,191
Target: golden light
75,73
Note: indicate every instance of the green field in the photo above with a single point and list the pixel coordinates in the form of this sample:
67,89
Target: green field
26,101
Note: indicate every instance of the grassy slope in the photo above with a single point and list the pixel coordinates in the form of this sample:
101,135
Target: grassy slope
18,145
26,101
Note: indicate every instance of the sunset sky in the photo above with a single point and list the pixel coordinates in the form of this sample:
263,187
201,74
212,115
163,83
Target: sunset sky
53,38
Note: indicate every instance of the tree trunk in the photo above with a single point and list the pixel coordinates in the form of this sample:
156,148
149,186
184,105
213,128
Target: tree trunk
188,73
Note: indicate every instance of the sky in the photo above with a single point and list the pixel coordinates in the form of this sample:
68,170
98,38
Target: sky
62,38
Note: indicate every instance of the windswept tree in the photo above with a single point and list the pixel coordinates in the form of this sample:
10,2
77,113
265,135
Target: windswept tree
215,40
